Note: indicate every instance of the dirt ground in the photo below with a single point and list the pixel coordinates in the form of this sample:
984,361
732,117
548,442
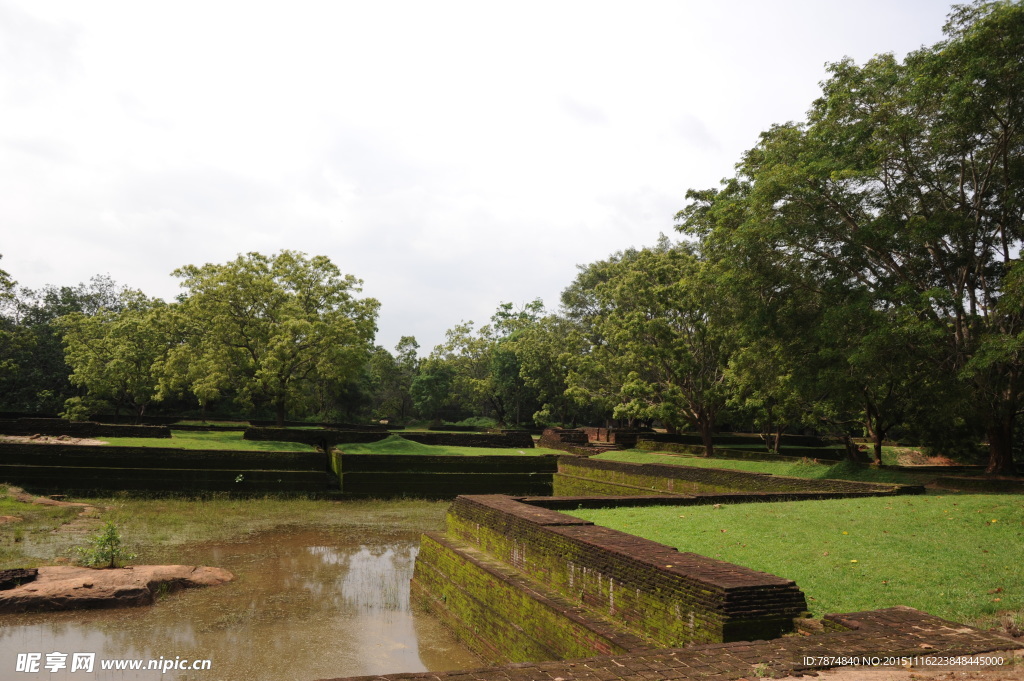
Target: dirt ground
51,439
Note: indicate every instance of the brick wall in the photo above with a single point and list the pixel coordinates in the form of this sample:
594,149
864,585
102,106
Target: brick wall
87,429
507,440
387,475
52,468
660,478
652,594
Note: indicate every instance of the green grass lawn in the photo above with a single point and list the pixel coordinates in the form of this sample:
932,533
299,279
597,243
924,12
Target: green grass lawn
35,521
955,556
196,422
802,469
395,444
221,439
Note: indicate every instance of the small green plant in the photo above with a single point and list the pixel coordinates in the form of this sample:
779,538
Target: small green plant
762,671
105,549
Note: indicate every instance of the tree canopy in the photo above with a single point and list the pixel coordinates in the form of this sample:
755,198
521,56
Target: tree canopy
268,326
906,187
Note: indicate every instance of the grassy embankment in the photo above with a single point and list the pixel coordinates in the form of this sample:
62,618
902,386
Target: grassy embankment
956,556
842,470
395,444
220,439
26,523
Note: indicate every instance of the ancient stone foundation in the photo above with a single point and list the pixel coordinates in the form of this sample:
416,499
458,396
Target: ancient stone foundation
588,477
520,583
67,469
445,477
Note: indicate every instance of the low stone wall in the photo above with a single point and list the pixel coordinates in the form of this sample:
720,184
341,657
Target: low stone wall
317,437
726,439
584,477
322,438
86,429
720,453
262,423
131,419
626,439
571,440
787,453
444,477
572,574
52,468
507,440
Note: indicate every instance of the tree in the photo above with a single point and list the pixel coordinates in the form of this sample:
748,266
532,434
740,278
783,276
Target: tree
660,342
267,327
37,376
112,354
432,390
391,377
546,351
906,186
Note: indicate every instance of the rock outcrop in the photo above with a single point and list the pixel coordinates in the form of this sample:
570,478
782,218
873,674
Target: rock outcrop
62,587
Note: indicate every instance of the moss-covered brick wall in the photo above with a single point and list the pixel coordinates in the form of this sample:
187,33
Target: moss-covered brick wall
53,468
442,476
662,596
698,450
510,439
564,485
76,456
240,481
724,440
136,420
502,616
623,437
335,426
693,480
33,426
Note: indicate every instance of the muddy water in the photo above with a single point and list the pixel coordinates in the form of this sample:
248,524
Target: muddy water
304,605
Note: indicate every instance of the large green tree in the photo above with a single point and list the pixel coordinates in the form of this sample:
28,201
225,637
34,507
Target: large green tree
112,354
37,379
662,355
269,327
905,185
390,378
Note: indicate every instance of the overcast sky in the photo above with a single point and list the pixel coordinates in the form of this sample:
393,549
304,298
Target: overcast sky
452,155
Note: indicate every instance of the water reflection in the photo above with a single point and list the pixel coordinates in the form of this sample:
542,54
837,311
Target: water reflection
304,605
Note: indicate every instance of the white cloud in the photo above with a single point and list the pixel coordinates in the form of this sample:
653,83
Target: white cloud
453,155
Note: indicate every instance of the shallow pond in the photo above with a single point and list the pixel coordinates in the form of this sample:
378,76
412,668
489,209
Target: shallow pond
305,605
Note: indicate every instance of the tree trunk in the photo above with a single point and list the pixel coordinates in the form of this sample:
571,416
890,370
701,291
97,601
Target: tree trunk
1000,447
279,409
706,437
778,441
851,448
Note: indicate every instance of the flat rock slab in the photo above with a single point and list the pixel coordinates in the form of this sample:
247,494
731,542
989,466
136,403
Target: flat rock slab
63,587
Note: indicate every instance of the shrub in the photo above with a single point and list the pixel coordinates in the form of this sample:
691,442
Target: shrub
104,549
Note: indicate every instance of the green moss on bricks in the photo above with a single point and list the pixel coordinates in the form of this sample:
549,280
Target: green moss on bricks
564,485
693,480
652,481
502,616
665,597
